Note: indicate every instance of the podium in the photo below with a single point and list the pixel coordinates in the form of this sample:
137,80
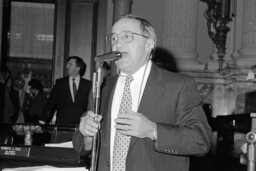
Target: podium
14,152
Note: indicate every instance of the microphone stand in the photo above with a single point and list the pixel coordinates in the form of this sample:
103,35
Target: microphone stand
97,81
96,89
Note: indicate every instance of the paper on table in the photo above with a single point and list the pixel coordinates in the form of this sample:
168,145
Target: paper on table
27,168
63,169
63,145
46,168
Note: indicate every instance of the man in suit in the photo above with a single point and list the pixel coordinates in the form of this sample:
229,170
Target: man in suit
69,97
165,123
7,109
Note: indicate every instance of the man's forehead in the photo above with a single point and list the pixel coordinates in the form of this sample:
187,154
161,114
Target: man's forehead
73,61
126,24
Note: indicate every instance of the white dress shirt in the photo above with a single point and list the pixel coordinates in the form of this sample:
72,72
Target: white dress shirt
77,81
137,88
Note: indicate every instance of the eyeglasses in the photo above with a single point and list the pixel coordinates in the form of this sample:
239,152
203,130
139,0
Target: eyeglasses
126,37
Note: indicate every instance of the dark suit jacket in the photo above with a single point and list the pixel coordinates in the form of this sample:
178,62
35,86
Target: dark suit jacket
2,91
14,95
8,107
173,102
68,112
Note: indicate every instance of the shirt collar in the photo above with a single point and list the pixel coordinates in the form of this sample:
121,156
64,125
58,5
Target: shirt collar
76,78
139,74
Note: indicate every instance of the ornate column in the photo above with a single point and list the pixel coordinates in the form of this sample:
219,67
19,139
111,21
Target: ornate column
248,47
59,60
1,25
179,33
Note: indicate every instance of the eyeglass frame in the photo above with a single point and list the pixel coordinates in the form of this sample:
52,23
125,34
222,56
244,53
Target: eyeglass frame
109,37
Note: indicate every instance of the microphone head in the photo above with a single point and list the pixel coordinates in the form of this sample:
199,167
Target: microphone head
118,54
110,56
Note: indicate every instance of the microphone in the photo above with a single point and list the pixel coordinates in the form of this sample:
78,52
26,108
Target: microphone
110,56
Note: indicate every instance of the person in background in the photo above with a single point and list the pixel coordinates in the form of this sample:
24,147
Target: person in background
69,97
6,105
157,123
2,91
19,85
34,102
14,96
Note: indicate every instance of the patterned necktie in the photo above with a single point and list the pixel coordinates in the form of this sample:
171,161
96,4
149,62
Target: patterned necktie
74,88
121,142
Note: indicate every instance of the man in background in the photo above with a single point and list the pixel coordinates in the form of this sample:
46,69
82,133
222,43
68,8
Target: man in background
69,97
6,105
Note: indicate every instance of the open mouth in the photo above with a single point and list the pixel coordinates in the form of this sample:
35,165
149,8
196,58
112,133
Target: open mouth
124,55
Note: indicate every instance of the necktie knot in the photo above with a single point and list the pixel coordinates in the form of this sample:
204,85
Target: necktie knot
129,79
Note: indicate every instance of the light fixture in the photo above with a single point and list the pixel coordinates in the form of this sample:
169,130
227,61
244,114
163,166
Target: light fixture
218,14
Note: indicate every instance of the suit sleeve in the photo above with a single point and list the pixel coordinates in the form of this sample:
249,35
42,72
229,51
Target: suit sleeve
8,108
191,134
78,138
78,144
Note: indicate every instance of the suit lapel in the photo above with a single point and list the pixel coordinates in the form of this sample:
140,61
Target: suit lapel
152,93
106,108
80,86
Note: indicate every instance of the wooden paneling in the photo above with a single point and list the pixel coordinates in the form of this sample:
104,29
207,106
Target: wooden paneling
83,32
59,45
75,33
76,29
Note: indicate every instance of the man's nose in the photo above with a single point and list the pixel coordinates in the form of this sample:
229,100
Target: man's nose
119,43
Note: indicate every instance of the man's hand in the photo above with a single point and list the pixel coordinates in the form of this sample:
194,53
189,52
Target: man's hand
135,124
90,124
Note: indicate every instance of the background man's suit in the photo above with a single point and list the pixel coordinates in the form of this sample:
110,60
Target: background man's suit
169,100
68,112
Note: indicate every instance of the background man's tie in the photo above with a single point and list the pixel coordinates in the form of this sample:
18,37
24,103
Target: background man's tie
121,142
74,88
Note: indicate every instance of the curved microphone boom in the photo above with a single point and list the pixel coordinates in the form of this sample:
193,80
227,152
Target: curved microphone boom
110,56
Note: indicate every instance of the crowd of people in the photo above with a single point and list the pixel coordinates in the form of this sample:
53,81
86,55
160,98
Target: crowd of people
31,105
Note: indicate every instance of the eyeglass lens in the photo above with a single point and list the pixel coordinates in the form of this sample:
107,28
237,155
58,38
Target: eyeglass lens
126,37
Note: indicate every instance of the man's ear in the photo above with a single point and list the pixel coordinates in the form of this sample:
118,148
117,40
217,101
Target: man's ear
150,44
